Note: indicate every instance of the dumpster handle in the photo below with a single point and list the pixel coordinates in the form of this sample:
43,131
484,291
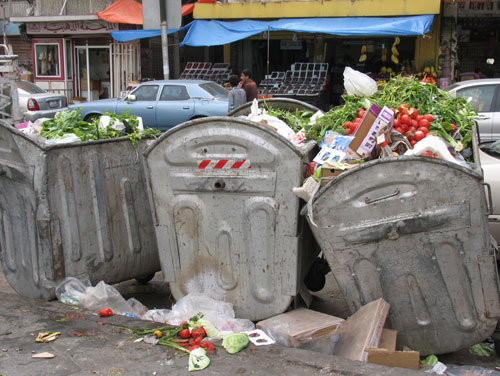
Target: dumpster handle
489,200
370,201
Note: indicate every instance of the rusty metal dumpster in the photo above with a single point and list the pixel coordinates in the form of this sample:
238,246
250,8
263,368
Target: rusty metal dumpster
70,210
413,231
227,222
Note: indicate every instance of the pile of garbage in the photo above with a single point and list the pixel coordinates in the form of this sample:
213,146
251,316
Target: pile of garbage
197,325
68,126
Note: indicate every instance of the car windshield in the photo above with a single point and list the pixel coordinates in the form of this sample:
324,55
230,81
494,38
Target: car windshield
492,148
214,90
29,88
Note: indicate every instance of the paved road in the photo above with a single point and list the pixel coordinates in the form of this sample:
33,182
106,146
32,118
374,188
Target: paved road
90,345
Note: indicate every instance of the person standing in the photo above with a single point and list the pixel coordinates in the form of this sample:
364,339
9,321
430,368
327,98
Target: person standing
237,95
248,85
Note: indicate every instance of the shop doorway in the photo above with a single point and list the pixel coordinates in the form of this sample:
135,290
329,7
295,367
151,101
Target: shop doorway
126,66
93,72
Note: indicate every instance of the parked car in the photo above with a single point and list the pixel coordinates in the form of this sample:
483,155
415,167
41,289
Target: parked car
35,103
490,162
484,95
164,104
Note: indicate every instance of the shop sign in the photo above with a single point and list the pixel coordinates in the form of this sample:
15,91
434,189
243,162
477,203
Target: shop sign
71,27
287,44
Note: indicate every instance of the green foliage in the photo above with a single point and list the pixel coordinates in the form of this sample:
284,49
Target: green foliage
71,123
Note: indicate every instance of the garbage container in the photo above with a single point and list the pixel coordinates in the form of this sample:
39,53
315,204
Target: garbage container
413,231
72,210
226,219
286,104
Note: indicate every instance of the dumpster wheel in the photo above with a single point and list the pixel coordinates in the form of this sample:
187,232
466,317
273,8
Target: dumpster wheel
145,279
315,279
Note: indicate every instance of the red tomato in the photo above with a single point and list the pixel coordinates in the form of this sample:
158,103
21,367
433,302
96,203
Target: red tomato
200,332
412,129
361,114
348,124
185,333
404,127
429,118
418,118
413,142
106,312
194,347
414,123
453,127
430,134
405,119
424,123
397,123
419,135
360,109
423,129
397,129
409,135
413,113
357,120
197,340
402,107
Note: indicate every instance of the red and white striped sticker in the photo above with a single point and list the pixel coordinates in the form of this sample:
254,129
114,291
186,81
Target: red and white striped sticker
217,164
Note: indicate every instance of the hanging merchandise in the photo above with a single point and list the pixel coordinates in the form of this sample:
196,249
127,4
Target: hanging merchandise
362,58
394,50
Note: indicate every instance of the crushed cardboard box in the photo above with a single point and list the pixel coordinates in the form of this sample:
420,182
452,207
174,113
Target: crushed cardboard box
304,325
363,330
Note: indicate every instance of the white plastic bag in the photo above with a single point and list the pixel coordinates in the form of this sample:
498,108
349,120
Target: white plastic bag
357,83
71,290
220,314
436,145
259,116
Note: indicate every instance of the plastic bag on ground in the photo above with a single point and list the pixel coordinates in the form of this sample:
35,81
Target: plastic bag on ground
71,290
157,315
357,83
220,314
453,370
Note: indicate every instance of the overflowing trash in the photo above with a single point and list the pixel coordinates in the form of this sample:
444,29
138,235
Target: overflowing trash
68,126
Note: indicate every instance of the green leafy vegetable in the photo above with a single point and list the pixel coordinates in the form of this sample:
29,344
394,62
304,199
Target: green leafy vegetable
67,123
431,360
234,343
426,98
481,349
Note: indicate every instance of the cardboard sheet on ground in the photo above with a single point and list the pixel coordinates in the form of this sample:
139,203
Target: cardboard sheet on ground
363,330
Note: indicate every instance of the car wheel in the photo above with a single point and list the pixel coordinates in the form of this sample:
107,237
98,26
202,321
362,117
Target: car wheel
91,117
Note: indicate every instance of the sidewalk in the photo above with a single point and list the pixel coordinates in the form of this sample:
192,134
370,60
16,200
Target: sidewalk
90,345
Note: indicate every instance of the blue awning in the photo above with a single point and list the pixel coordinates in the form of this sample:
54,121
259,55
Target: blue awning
128,35
214,33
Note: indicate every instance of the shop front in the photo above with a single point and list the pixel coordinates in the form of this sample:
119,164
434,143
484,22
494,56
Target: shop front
80,59
469,40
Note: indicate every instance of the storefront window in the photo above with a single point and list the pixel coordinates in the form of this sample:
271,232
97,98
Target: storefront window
47,60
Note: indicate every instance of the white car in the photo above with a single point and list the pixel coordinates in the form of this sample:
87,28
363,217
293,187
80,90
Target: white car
484,96
490,162
35,103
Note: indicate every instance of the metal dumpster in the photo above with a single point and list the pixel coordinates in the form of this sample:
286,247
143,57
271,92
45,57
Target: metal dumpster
413,231
286,104
226,219
70,210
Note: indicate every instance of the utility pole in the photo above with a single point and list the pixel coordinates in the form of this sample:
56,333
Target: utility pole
164,48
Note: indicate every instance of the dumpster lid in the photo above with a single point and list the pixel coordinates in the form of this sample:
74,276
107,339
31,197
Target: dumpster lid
300,151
